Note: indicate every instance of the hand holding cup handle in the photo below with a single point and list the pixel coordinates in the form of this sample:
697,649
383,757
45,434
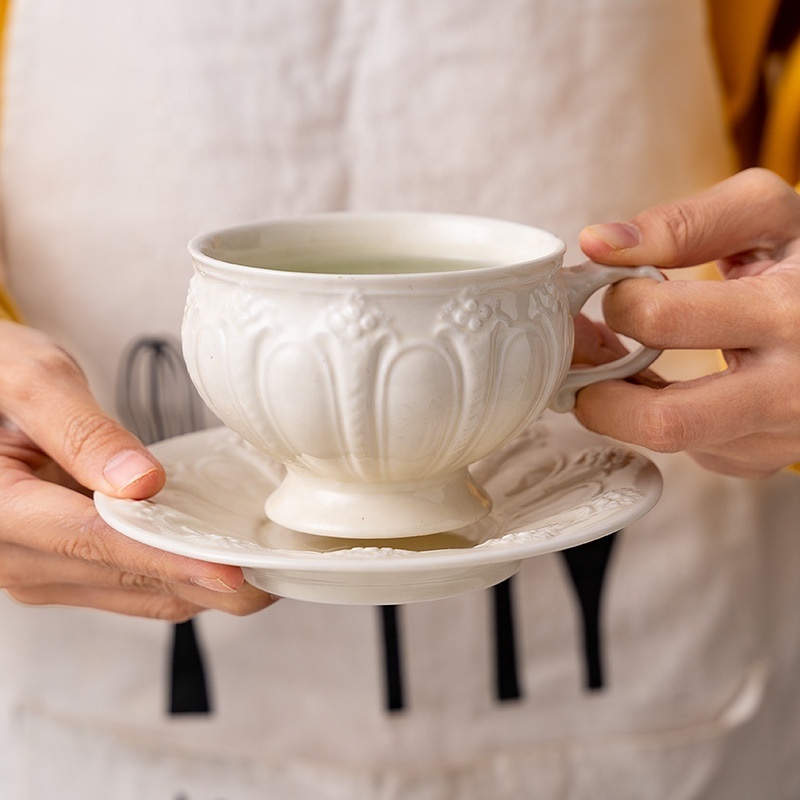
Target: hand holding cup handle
582,282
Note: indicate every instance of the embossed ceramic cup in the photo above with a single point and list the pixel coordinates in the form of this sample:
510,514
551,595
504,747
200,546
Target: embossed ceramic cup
378,355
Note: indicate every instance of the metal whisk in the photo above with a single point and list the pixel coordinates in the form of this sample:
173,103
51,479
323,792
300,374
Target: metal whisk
155,396
156,400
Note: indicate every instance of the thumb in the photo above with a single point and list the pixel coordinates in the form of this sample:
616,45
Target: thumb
754,210
44,393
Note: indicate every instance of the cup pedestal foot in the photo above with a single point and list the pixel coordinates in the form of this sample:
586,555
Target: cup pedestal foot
377,511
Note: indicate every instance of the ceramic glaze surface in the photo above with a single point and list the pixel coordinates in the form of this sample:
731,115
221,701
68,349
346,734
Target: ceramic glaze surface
378,390
555,486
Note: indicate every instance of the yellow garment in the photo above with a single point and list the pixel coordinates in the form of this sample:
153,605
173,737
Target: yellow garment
7,309
5,6
740,30
780,147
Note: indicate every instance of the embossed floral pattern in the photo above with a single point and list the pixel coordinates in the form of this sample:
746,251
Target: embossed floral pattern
466,312
548,297
354,317
370,552
606,459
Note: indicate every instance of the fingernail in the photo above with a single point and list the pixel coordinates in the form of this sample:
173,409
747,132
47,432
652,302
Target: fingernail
215,584
127,467
617,235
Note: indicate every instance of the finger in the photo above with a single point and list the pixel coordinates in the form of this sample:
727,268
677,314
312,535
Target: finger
594,343
45,394
248,600
726,315
24,570
695,415
75,531
133,602
119,601
754,456
750,212
25,567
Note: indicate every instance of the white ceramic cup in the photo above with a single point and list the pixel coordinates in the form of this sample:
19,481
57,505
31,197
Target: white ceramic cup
379,355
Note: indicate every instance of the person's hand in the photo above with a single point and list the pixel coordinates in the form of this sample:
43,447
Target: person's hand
55,445
742,421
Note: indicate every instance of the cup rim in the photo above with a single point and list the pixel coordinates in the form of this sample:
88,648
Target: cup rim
488,232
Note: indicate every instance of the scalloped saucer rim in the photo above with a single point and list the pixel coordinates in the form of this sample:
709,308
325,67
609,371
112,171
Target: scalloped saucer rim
555,486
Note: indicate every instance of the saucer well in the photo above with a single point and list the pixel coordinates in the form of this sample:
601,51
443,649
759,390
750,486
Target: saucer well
553,487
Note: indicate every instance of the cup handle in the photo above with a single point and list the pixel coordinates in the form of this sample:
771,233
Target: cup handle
582,282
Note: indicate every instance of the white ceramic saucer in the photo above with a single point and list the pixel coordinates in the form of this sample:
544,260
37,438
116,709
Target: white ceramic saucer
553,487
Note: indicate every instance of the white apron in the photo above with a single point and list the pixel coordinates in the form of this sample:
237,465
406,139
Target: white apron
130,126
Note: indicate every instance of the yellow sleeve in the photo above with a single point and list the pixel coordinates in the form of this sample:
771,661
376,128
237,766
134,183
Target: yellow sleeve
740,31
780,145
7,309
